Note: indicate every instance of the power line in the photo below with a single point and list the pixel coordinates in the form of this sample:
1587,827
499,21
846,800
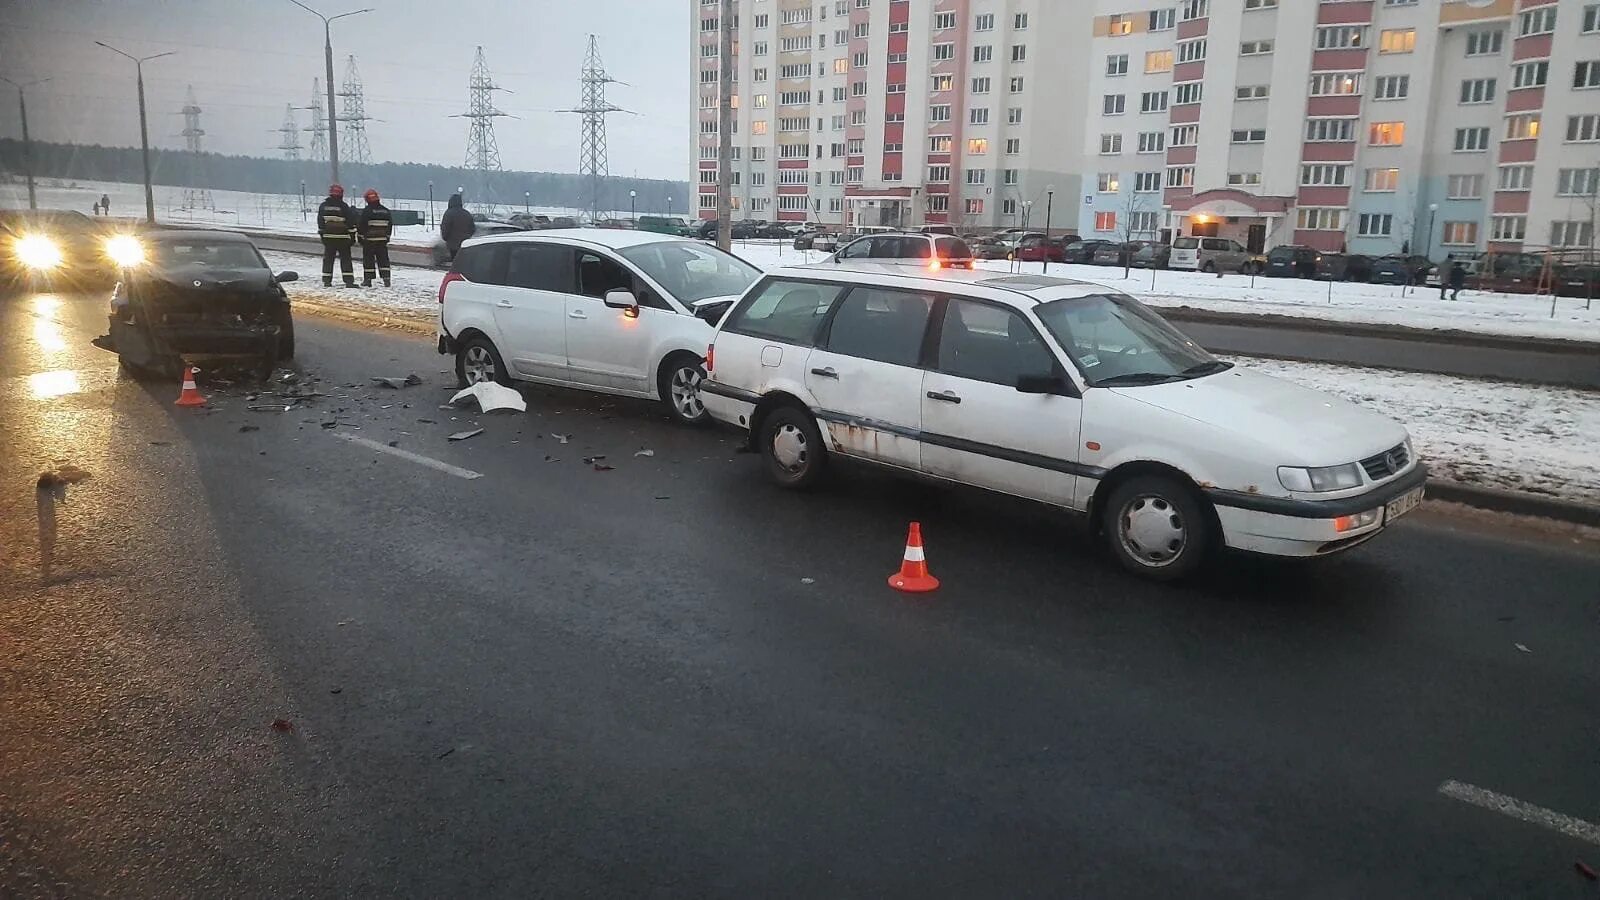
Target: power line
319,123
593,160
194,196
483,151
353,120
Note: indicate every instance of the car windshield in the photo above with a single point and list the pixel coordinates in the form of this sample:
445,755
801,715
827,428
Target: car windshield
692,271
1116,340
203,254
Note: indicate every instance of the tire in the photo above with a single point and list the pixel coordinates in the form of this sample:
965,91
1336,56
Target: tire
678,384
1157,528
792,448
478,360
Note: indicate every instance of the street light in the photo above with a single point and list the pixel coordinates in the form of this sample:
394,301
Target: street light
27,142
1433,211
327,53
144,126
1027,211
669,206
527,201
1049,209
430,204
632,210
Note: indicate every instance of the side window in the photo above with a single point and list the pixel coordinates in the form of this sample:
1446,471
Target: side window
882,325
478,264
990,343
597,274
1215,244
788,311
860,249
540,267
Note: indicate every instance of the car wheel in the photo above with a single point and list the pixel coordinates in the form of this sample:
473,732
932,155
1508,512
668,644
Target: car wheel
1156,527
478,361
679,387
792,447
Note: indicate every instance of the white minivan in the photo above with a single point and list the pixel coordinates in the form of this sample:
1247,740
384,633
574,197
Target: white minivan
608,311
1059,391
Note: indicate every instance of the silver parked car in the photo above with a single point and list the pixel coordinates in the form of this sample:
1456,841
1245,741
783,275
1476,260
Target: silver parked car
1209,254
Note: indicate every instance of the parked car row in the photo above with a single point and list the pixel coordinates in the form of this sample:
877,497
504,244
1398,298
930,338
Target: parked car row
1058,391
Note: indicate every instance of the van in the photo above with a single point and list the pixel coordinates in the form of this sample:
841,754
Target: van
1209,254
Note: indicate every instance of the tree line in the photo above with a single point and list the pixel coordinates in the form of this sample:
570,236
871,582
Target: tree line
253,174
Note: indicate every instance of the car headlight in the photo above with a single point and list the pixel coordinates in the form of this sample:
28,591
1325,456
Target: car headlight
125,250
1320,480
37,252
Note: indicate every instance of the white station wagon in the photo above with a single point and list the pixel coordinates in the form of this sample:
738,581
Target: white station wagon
1059,391
607,311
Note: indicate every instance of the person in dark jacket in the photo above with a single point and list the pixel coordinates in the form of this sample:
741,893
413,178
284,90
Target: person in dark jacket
336,225
456,225
375,229
1458,280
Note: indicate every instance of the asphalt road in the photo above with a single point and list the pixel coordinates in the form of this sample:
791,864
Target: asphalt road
671,679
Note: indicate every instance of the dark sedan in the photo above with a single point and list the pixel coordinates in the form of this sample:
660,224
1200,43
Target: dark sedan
1400,269
1084,251
1041,249
50,248
1344,267
1292,261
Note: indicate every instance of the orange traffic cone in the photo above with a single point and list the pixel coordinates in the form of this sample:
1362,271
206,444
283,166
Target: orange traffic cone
191,394
913,576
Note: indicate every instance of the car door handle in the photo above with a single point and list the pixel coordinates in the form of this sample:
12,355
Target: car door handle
826,373
578,314
504,304
945,396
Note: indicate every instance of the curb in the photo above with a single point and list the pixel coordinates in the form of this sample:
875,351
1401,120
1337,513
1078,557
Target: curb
1274,322
1515,502
420,326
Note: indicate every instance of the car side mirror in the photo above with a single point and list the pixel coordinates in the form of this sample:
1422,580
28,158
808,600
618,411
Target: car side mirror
623,300
286,277
1042,384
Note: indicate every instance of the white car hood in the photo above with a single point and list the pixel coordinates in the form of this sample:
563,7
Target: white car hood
1298,425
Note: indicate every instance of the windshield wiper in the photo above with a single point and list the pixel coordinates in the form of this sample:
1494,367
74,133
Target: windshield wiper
1136,378
1210,367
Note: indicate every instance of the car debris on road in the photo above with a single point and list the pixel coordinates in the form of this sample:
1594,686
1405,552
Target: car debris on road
464,435
492,397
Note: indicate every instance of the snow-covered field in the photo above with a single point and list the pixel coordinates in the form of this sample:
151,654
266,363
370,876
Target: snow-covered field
1513,436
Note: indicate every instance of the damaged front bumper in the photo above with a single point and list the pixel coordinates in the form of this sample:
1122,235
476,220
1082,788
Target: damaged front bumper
217,343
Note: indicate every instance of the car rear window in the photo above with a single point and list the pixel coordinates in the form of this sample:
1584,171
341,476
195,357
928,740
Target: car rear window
1185,243
788,311
952,248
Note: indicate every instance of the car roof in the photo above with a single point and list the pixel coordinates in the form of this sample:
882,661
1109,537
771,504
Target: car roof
1017,290
609,238
178,234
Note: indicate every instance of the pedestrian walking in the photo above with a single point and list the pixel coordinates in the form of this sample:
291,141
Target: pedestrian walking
456,225
376,227
336,225
105,204
1458,280
97,207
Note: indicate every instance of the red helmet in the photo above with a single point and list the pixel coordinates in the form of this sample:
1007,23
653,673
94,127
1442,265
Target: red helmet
372,195
336,190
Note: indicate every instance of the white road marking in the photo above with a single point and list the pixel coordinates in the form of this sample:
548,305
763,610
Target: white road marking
1517,809
407,455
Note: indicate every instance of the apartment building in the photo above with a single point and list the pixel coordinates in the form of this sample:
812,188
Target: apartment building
1371,125
896,112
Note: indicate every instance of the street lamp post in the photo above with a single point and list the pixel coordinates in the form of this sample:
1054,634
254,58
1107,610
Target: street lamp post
527,201
1049,209
633,211
1027,211
327,54
303,210
27,142
144,126
669,206
1433,211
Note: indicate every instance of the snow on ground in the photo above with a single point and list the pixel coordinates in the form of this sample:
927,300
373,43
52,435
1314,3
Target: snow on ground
415,291
1521,315
1518,437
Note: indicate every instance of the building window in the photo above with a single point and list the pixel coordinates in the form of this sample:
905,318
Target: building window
1260,4
1577,182
939,203
1105,221
854,174
1539,20
1157,61
1328,84
1107,183
1244,179
980,84
1586,74
1386,134
1324,175
1014,115
943,83
939,144
1146,182
1472,140
1583,129
1508,228
1477,90
1152,141
1591,19
1382,181
938,174
1116,26
1374,224
1330,130
1162,19
1392,87
1341,37
1190,10
1571,233
1522,127
1530,74
984,22
1485,43
1153,101
1019,22
982,53
1397,40
977,176
1013,146
1019,53
944,52
1192,51
940,113
758,127
1180,176
1251,92
1255,48
1113,104
977,146
1117,64
1460,234
978,115
1516,178
1188,92
1010,176
1249,135
974,207
1016,84
1321,218
1185,135
1465,187
944,20
1110,144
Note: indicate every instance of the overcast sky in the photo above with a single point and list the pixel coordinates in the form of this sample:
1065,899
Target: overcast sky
248,58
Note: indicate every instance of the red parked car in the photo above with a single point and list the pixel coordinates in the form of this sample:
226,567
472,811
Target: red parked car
1041,249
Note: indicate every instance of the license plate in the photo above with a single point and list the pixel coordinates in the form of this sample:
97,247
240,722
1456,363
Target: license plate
1402,504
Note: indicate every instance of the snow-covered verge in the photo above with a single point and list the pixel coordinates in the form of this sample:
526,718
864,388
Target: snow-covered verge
1541,440
415,292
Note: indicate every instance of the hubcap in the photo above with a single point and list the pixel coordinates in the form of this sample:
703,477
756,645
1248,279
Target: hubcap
685,390
1152,531
478,365
789,448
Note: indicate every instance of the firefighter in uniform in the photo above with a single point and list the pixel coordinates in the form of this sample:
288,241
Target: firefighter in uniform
376,227
336,225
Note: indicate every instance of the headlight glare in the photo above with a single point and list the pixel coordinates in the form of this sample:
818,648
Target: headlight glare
1320,480
37,252
125,250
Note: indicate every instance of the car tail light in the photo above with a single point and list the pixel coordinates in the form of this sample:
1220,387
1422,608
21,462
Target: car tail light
449,279
711,355
935,264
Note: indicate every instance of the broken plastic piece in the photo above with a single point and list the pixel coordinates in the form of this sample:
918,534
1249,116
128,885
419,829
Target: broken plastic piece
562,438
602,467
463,435
282,725
591,460
492,397
1584,870
1523,648
645,453
396,383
